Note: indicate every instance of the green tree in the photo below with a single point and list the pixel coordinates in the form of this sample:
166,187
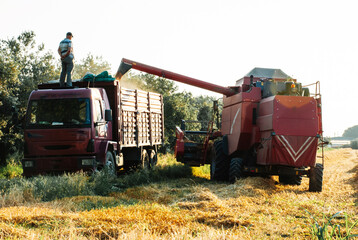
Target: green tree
206,111
351,132
23,65
90,64
354,144
177,107
9,88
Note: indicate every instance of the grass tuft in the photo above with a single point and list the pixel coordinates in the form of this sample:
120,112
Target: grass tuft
11,170
18,190
328,228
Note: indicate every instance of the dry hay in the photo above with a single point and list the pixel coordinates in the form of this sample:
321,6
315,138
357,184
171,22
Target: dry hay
254,207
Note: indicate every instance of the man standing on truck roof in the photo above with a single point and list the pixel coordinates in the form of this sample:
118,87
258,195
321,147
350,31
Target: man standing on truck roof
65,50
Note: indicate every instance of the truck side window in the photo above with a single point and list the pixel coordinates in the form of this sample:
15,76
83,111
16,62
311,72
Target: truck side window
98,109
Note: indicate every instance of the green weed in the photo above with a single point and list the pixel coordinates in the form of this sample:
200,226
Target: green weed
328,229
11,170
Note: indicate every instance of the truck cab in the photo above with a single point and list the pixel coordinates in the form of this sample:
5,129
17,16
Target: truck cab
89,126
66,122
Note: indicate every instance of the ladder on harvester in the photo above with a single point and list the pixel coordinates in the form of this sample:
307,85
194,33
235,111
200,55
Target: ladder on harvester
317,96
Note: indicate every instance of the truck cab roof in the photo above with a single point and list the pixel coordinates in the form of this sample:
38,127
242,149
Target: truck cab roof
63,93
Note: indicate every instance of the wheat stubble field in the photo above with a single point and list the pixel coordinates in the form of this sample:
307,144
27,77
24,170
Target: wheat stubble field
191,208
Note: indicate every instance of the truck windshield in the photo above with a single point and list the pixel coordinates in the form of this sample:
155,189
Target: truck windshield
58,113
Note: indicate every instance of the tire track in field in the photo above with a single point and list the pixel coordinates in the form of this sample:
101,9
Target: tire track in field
339,173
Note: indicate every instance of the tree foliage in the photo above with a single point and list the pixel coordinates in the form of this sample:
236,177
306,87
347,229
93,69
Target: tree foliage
351,132
92,64
23,65
354,144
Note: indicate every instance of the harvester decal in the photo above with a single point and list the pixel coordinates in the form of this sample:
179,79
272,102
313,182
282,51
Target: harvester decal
295,154
233,122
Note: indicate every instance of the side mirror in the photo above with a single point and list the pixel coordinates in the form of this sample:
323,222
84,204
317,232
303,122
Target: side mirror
108,115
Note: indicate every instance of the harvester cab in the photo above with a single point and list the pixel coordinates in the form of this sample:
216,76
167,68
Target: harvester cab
270,125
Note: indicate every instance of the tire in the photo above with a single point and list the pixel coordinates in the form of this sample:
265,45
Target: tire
290,179
236,169
316,178
110,164
153,159
219,168
145,162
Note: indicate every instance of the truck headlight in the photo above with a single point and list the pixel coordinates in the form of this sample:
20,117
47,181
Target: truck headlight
87,162
28,164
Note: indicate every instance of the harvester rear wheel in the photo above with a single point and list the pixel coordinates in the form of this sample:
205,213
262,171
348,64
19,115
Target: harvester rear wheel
219,168
236,167
316,178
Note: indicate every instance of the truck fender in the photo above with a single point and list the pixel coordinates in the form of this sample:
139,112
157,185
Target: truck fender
113,146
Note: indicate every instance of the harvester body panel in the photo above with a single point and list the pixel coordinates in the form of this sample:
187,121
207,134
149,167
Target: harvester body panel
237,119
289,128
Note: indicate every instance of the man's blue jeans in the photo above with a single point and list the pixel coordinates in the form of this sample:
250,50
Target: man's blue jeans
67,67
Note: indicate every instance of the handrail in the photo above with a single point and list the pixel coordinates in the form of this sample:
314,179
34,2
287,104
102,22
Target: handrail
317,93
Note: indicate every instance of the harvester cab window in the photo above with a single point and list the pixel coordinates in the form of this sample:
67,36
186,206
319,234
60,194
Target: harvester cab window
288,88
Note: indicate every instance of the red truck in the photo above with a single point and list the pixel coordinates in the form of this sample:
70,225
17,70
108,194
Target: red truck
89,126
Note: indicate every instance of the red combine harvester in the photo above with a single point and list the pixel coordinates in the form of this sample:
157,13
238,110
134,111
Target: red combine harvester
270,125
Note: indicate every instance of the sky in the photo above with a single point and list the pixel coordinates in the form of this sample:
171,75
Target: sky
214,41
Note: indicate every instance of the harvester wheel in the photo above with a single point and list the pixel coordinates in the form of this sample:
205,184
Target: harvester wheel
219,168
236,167
316,178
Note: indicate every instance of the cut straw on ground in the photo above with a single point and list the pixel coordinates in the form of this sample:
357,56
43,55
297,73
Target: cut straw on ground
191,207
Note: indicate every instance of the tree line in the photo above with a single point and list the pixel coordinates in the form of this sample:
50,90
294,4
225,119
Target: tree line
24,64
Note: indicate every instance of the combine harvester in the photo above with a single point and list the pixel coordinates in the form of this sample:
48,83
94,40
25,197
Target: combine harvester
270,125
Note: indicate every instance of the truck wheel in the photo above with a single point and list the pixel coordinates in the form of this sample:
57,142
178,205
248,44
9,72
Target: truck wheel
153,159
290,179
316,178
236,167
145,160
110,163
219,168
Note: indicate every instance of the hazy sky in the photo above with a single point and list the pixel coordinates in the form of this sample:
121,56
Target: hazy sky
215,41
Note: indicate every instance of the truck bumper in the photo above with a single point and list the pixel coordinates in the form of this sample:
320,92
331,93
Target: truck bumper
57,165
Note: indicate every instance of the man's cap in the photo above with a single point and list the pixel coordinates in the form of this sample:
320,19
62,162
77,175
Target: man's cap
69,34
